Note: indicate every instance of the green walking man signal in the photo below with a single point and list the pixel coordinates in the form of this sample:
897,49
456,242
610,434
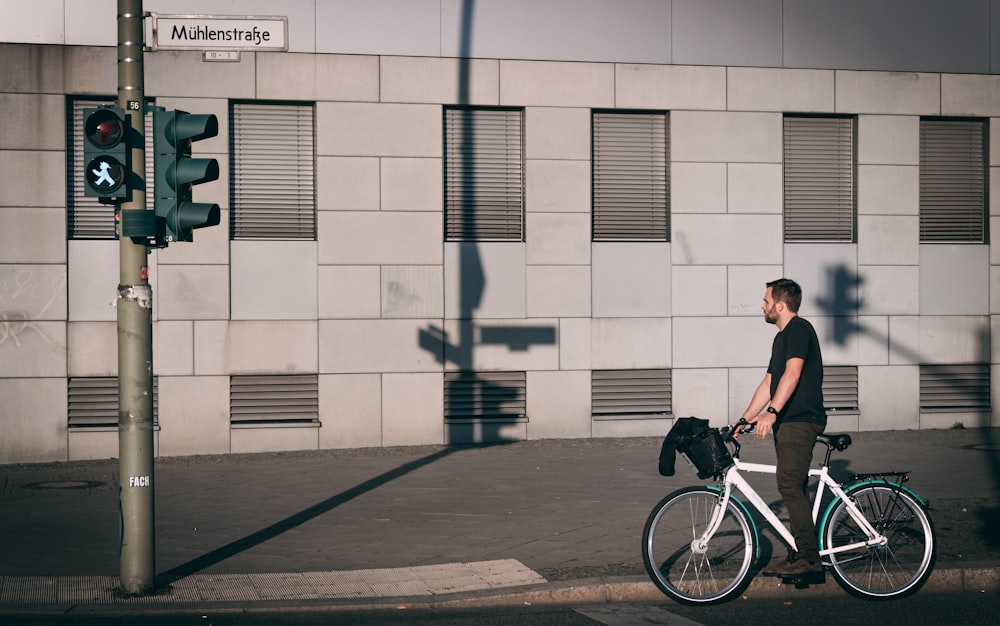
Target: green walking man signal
176,172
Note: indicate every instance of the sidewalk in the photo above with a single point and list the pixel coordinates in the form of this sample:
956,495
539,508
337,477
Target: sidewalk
539,521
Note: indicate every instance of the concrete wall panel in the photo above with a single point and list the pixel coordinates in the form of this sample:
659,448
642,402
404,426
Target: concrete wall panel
670,87
33,420
895,93
349,291
754,188
369,237
557,133
273,280
558,405
285,76
350,410
525,83
387,130
631,280
558,291
437,80
373,346
632,343
32,349
770,89
92,349
412,409
725,137
193,415
888,140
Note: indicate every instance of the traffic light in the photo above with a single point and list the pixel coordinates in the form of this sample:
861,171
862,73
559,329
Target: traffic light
176,173
106,153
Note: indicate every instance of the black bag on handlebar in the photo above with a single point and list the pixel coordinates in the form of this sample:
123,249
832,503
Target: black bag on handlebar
701,444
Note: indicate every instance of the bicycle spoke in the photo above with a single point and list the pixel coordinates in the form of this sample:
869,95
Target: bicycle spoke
901,564
697,574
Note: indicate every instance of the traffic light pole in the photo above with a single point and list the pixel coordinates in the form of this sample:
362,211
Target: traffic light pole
135,329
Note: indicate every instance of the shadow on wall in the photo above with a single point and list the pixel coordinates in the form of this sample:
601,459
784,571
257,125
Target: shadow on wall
843,305
482,407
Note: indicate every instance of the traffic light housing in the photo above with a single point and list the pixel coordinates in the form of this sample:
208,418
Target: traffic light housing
176,173
106,154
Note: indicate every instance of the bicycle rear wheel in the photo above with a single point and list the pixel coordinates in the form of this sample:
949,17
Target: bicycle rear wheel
692,574
894,570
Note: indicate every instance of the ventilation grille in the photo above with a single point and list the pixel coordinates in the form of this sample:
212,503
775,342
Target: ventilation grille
627,393
274,400
93,402
955,388
485,395
840,389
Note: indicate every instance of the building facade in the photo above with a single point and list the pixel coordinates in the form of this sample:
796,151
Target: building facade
451,221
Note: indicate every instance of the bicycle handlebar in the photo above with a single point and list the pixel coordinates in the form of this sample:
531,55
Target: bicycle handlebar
729,433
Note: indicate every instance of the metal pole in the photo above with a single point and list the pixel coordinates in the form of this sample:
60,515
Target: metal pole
135,331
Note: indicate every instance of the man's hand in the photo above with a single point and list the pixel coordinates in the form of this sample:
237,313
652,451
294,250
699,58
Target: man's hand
765,424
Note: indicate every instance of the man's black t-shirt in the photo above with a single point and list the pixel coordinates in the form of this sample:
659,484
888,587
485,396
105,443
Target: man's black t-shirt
798,339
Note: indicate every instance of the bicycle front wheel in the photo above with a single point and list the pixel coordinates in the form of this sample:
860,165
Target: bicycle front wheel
894,570
683,569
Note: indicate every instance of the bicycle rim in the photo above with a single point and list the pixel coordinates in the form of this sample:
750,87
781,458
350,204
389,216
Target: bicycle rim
894,570
706,576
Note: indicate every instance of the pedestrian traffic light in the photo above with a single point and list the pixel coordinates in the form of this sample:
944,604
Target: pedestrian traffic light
176,173
106,153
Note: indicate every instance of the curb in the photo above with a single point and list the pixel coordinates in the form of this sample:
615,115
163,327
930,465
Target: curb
972,578
982,578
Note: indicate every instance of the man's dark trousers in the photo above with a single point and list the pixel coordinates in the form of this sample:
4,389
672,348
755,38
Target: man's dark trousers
793,444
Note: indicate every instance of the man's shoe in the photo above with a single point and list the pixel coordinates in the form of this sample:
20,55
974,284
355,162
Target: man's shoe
798,569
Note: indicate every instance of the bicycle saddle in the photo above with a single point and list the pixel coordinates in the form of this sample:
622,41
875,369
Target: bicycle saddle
840,442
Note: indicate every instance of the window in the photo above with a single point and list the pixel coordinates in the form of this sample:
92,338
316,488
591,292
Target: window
955,388
286,400
840,389
617,394
953,176
819,179
631,176
86,217
484,174
496,396
93,403
273,182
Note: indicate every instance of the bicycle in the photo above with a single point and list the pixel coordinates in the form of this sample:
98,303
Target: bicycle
701,544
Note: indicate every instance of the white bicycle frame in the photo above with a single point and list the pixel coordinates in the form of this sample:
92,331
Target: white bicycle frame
733,478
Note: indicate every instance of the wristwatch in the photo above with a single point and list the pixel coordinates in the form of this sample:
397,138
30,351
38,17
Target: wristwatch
770,409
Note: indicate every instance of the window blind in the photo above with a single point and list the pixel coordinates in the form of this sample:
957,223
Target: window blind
953,175
272,180
630,177
484,174
819,179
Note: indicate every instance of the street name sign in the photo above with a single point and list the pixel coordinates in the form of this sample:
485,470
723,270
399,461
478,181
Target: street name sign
219,32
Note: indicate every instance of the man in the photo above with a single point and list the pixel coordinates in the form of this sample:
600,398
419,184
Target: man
792,392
